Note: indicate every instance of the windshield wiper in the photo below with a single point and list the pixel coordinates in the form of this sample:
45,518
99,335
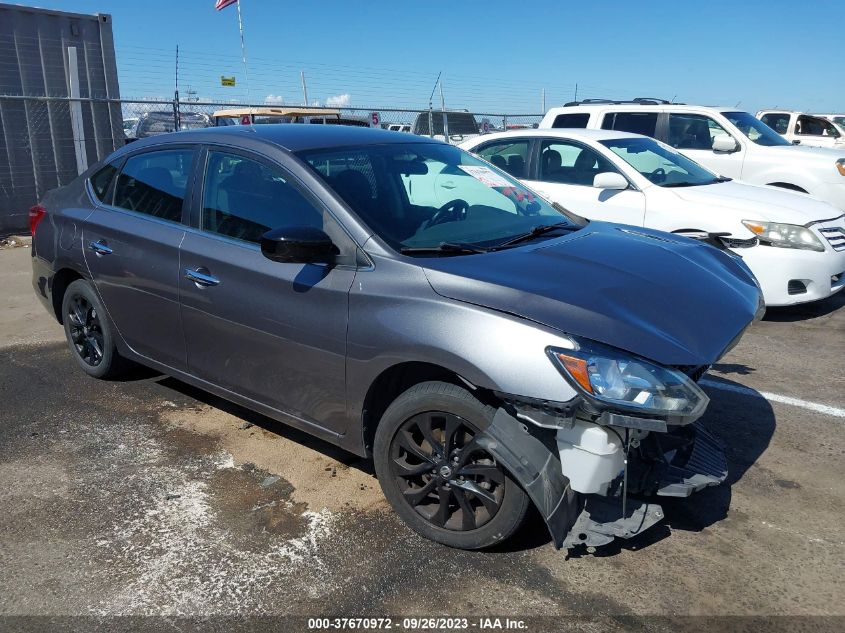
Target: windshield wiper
444,247
683,184
537,231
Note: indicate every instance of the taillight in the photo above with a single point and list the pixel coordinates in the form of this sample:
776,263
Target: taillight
36,214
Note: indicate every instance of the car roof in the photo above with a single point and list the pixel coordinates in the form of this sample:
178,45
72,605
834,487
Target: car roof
573,133
639,106
293,137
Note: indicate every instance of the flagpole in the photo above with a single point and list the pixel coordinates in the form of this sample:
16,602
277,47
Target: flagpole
243,57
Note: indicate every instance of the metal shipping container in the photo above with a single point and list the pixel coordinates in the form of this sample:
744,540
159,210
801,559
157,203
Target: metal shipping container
58,103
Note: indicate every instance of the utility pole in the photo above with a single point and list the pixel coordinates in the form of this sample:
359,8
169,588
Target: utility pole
304,87
576,92
431,106
176,122
544,101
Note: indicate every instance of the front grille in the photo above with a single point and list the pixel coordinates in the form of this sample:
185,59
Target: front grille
796,287
695,372
835,235
734,242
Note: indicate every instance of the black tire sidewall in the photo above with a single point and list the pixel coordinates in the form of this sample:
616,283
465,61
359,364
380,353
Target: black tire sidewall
109,365
438,396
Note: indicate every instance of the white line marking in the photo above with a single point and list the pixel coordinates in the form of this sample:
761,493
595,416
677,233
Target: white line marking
774,397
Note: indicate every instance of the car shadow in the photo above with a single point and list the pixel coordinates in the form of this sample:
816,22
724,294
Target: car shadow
743,421
268,424
805,311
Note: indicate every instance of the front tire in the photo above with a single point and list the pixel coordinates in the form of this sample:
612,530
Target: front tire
89,333
438,480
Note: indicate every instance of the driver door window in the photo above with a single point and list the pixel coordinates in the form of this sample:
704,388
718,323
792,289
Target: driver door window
244,198
571,164
693,131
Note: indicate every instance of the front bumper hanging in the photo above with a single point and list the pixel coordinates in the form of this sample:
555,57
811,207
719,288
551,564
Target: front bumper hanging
673,464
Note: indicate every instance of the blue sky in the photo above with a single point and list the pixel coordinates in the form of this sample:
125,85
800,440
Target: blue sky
495,55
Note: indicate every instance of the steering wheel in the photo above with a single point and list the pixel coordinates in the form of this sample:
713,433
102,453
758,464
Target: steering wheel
453,210
658,176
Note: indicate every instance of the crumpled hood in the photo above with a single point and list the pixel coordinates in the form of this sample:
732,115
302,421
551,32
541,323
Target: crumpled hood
759,202
663,297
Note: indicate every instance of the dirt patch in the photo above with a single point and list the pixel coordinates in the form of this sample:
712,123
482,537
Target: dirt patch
256,506
318,479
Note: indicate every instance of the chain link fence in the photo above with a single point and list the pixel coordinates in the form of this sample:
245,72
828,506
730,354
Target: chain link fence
45,142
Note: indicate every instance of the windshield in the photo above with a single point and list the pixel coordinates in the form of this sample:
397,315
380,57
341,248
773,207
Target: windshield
422,195
839,120
756,131
659,163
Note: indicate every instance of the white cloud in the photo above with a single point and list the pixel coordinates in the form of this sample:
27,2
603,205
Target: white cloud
274,99
338,101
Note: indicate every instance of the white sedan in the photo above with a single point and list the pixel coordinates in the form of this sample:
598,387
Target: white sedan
794,243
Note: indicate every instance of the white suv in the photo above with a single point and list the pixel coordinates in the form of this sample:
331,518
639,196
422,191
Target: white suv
726,140
806,129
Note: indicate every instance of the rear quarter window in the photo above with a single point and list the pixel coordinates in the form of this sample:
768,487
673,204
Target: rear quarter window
101,180
579,120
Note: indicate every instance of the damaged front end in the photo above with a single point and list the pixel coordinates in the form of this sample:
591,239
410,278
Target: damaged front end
593,464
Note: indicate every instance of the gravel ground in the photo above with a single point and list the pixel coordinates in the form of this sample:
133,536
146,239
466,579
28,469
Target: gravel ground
148,497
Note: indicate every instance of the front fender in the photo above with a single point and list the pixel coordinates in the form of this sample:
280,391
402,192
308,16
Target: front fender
533,461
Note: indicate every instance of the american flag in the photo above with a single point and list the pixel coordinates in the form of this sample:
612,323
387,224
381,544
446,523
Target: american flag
222,4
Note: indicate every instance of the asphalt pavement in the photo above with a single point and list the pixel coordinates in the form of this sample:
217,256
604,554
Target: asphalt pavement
149,497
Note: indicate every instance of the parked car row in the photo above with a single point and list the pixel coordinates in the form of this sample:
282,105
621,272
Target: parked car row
602,159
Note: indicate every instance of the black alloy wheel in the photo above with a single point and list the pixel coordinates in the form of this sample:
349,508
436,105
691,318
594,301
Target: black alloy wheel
86,331
436,473
443,474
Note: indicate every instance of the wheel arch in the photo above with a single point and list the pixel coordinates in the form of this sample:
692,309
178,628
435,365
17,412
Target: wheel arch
398,378
63,278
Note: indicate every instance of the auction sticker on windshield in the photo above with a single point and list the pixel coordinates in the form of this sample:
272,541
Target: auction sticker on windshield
485,175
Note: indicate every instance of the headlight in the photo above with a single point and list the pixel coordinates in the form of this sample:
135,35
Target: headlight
840,166
611,376
785,235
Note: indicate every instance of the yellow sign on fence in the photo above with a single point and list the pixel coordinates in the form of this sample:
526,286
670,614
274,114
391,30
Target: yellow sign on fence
227,81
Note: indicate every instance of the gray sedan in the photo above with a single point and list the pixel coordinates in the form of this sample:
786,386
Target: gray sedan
402,299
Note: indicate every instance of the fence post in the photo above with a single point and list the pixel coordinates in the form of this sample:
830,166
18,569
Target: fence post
177,123
75,107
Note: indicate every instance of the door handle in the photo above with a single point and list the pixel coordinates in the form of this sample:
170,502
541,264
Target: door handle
100,247
201,277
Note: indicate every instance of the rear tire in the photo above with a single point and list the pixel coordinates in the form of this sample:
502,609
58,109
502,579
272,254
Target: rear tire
443,485
89,333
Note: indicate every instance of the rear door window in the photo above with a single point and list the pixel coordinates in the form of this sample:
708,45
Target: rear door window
510,156
154,183
635,122
778,121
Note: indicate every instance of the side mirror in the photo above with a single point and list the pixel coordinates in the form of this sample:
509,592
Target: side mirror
724,143
610,180
298,245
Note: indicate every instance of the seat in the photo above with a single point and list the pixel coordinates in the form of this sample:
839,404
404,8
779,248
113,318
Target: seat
499,161
552,164
584,168
516,166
